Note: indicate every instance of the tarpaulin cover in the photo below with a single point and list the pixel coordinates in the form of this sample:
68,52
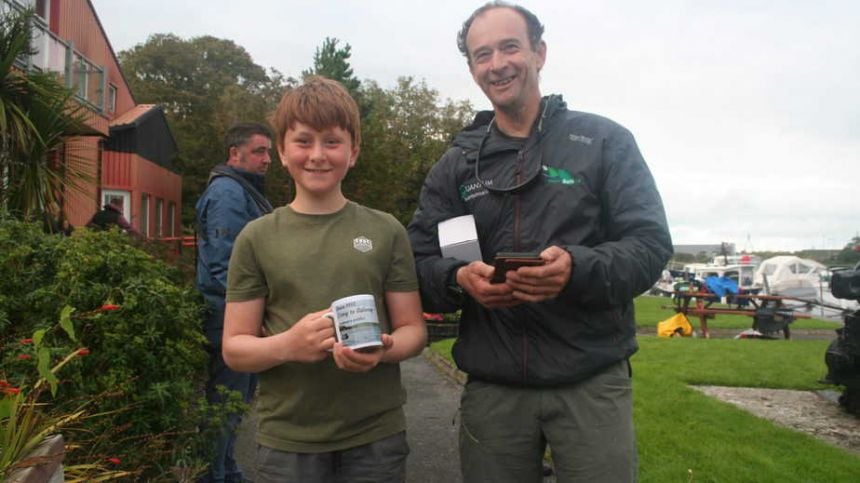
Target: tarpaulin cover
721,286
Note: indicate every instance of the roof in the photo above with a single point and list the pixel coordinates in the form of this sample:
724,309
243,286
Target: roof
110,47
132,117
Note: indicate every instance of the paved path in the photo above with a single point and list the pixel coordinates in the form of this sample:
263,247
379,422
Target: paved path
431,408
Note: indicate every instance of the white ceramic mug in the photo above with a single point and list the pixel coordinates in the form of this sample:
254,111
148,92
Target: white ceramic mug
356,322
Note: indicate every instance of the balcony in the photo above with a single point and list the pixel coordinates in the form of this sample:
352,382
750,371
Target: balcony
72,67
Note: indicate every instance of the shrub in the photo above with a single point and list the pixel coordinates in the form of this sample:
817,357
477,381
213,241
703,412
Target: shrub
146,362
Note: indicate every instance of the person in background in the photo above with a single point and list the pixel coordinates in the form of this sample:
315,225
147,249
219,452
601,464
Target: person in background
111,215
547,349
233,197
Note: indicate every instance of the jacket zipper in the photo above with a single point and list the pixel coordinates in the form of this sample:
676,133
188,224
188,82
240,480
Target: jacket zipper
519,175
517,247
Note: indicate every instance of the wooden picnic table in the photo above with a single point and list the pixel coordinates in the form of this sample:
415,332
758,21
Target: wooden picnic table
703,310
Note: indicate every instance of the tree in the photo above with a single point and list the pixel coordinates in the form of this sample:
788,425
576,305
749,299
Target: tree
205,84
405,131
850,255
37,115
333,63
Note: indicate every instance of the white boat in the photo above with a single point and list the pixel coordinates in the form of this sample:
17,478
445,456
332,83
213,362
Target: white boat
742,273
802,278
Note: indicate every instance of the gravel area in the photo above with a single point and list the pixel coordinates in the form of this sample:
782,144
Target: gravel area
813,413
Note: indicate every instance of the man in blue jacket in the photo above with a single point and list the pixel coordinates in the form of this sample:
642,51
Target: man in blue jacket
233,197
547,348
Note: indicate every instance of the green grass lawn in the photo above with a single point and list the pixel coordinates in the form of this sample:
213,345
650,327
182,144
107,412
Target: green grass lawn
680,430
649,311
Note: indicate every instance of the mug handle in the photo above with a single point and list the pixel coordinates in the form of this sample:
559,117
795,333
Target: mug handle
330,316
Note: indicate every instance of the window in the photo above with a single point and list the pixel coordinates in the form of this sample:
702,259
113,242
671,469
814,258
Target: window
111,100
79,76
159,207
42,8
124,196
171,219
86,80
144,215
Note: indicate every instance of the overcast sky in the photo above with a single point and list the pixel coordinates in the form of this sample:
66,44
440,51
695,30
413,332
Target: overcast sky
747,112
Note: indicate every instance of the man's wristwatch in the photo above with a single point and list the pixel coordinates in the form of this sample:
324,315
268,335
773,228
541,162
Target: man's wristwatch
453,288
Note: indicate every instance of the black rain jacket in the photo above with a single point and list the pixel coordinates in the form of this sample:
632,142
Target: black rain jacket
594,196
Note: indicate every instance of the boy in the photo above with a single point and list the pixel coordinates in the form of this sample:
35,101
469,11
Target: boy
326,412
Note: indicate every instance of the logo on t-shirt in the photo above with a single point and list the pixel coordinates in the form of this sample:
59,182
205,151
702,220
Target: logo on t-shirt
362,244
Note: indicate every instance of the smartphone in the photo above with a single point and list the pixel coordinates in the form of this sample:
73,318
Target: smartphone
505,261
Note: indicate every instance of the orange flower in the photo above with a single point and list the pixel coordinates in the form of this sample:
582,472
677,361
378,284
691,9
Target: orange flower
24,357
83,352
27,341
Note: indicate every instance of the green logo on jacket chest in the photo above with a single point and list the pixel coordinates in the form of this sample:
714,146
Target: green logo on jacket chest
470,191
559,176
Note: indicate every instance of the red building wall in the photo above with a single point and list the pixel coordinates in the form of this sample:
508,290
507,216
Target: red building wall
82,154
139,176
76,21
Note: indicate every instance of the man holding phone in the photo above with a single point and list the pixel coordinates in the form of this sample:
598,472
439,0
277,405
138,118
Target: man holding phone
547,348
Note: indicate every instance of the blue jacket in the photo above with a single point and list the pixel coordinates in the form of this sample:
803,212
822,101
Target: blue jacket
232,199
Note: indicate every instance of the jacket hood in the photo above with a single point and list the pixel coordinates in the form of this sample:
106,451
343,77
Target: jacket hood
470,137
258,181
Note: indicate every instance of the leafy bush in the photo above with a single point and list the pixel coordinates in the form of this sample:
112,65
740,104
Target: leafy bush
27,419
146,362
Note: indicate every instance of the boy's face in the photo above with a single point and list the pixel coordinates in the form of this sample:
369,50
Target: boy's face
318,160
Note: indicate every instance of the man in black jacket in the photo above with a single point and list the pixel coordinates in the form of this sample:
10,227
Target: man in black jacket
546,350
111,215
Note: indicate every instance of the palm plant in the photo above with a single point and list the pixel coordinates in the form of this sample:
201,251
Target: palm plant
37,114
15,126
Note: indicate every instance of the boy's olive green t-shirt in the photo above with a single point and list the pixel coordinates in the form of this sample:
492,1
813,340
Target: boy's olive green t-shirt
300,264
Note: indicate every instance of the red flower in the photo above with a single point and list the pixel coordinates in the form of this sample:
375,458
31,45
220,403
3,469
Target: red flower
3,383
108,307
83,352
24,357
11,390
27,341
115,461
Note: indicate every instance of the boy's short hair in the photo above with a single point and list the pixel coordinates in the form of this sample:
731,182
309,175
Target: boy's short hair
319,103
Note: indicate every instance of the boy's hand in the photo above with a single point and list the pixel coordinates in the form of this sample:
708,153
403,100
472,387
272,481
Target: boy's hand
310,339
358,360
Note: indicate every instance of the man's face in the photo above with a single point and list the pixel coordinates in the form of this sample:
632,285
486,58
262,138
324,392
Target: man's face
253,156
502,61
